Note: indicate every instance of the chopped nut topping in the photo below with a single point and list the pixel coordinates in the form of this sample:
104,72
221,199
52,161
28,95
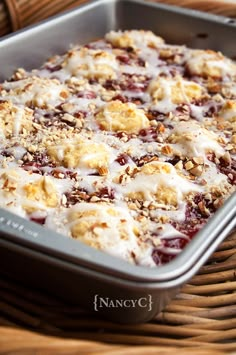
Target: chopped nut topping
189,165
197,170
102,170
167,150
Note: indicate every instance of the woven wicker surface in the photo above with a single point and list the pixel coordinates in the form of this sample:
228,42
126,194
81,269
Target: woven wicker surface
200,320
16,14
219,7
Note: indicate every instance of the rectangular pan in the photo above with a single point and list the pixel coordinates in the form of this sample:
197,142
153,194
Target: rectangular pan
68,268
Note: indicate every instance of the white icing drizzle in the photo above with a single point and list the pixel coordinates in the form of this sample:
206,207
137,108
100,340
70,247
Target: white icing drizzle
195,141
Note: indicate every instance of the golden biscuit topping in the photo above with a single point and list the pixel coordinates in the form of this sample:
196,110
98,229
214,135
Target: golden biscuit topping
94,224
122,117
90,64
80,154
178,91
34,91
133,39
42,190
208,63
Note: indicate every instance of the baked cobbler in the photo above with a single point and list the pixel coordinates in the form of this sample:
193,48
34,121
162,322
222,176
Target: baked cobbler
127,144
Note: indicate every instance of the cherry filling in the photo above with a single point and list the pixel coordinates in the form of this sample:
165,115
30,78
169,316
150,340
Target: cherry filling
39,220
228,169
173,161
125,59
87,94
6,154
225,167
160,257
122,159
169,248
148,134
183,110
111,85
37,161
175,242
196,215
53,68
141,62
131,85
32,166
125,99
132,59
80,114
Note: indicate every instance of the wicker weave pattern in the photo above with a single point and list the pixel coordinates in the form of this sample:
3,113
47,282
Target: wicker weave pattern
218,7
16,14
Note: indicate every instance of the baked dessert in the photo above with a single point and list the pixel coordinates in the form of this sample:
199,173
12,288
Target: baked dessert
126,144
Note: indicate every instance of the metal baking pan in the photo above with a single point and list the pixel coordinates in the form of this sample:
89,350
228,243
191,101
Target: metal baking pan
65,267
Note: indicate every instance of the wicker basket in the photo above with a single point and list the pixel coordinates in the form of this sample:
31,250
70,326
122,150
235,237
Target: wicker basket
202,318
218,7
16,14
